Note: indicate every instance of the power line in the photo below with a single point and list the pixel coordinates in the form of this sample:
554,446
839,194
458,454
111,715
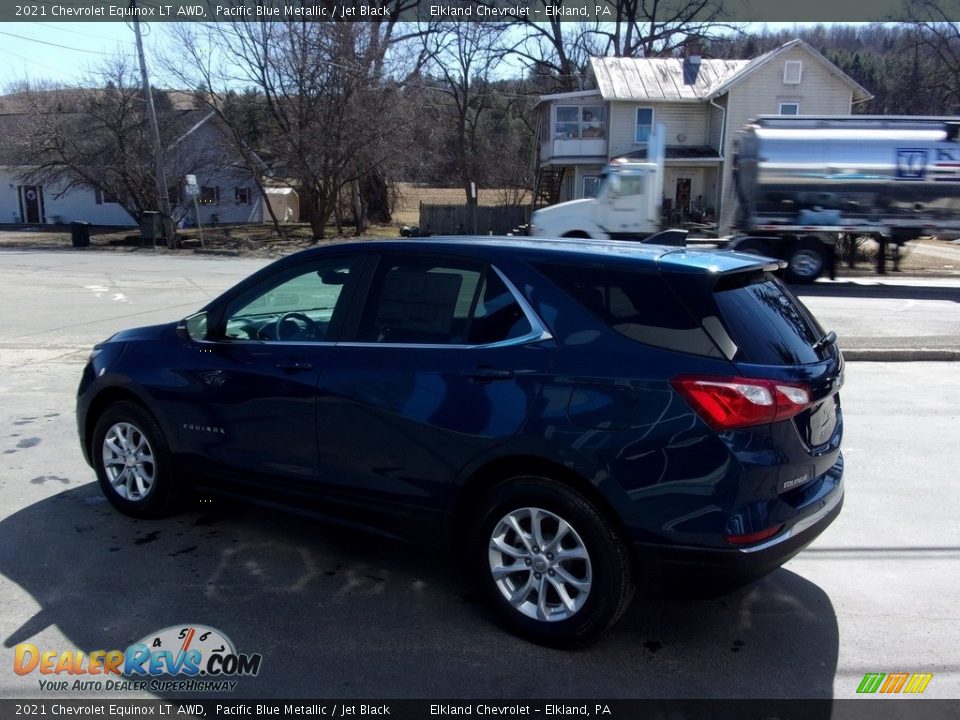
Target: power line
44,42
29,60
75,32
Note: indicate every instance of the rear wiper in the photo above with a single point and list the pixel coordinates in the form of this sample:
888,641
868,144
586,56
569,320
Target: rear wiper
829,339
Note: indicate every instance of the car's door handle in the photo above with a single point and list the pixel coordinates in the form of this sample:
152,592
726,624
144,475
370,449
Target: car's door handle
486,374
294,365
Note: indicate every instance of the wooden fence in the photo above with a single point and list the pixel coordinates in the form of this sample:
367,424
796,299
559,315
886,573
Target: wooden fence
467,220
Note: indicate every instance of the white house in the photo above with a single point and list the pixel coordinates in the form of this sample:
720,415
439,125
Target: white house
227,192
701,102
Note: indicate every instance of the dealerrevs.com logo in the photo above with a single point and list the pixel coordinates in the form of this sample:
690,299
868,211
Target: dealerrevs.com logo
181,658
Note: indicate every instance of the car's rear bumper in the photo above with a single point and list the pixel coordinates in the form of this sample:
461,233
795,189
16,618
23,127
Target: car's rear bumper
741,564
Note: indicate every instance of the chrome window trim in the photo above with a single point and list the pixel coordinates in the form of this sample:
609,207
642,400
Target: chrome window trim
538,331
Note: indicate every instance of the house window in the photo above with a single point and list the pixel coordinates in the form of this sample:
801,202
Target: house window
241,195
792,72
789,108
209,195
104,196
591,185
580,121
644,125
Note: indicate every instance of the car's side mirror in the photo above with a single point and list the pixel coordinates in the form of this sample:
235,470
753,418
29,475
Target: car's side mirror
193,327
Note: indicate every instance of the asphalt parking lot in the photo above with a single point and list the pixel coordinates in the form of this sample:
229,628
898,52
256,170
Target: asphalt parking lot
341,615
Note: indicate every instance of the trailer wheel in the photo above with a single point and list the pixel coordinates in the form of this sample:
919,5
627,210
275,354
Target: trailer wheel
806,262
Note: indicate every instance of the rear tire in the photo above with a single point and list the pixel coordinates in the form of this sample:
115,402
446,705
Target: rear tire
132,461
806,262
552,568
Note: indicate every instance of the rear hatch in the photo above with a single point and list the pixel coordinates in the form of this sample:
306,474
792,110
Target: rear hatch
767,333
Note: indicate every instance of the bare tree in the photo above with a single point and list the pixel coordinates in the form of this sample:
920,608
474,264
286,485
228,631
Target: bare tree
463,58
323,95
937,46
97,136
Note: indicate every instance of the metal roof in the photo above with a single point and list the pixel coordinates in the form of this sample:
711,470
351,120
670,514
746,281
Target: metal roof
679,80
661,78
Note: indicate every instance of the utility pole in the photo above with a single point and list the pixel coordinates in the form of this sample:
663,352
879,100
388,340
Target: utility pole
166,215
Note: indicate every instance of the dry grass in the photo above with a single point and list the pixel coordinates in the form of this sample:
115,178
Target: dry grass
410,196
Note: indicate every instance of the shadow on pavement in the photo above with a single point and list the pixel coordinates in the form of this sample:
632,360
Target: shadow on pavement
337,614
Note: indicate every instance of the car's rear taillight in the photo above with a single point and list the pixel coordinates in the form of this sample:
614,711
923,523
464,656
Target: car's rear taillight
731,402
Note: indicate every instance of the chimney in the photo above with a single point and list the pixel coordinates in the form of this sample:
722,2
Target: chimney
691,61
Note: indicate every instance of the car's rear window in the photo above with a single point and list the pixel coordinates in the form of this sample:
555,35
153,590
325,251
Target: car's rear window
747,317
639,305
765,321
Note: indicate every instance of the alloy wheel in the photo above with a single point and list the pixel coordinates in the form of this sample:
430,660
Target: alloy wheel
540,564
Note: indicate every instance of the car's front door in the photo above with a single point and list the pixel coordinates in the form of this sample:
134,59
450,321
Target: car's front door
443,362
254,383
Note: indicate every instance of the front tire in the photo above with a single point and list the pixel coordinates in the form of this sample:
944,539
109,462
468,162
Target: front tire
552,568
132,461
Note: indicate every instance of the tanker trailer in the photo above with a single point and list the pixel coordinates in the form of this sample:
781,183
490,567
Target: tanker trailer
802,181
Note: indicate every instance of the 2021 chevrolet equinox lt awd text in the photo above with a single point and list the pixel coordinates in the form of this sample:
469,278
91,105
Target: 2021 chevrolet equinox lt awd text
573,416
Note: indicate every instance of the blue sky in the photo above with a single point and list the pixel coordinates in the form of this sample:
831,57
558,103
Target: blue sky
64,52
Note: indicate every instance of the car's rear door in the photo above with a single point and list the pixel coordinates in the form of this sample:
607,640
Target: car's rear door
440,363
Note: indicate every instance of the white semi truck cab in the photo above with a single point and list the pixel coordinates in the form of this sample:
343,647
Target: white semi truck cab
627,205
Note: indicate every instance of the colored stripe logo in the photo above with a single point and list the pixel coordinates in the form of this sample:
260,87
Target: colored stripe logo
893,683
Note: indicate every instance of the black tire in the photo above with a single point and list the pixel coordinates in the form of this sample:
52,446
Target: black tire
578,234
608,566
130,421
806,262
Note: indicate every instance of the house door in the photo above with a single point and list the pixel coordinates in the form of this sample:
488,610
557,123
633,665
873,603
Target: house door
32,204
683,196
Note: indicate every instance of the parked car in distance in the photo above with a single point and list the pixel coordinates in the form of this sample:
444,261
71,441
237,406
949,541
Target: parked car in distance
573,418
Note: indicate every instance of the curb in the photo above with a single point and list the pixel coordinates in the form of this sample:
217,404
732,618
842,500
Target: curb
901,355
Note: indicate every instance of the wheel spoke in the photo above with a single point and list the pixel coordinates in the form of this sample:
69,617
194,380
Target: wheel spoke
142,486
577,553
543,612
568,602
536,518
562,529
518,596
569,579
502,571
111,444
515,525
501,545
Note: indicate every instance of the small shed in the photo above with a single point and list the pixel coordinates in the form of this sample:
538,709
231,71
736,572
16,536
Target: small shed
285,204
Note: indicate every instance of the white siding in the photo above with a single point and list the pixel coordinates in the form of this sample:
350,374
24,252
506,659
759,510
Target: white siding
682,120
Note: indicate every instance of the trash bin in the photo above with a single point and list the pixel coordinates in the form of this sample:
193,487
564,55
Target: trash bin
151,226
80,234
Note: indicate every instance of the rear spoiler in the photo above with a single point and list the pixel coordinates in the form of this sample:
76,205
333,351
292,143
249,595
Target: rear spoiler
674,237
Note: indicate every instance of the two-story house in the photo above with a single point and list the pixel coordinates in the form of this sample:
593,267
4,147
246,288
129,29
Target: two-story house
702,103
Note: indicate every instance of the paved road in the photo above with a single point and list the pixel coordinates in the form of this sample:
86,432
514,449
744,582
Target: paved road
893,312
342,615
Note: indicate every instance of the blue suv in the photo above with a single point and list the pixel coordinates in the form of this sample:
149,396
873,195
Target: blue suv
573,418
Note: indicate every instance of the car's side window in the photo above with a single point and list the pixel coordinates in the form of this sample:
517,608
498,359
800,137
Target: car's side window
297,306
439,301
